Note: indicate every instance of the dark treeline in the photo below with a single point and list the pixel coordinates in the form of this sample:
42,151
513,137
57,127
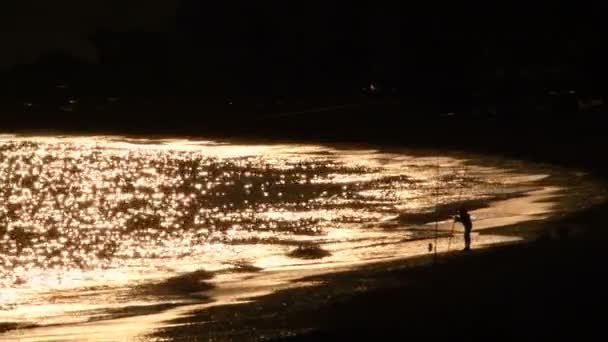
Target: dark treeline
272,57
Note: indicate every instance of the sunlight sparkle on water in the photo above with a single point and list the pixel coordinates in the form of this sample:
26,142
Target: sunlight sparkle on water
79,205
104,212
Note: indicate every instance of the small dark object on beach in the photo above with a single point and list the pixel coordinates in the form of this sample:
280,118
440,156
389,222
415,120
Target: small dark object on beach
430,247
309,252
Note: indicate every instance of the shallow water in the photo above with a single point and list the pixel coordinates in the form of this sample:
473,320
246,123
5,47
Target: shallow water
99,228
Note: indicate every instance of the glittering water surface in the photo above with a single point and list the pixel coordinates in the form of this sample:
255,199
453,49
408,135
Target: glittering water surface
94,222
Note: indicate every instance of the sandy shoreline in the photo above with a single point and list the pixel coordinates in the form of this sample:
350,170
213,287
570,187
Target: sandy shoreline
413,299
292,312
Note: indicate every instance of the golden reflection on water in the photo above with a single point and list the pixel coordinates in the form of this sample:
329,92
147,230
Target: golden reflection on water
86,204
101,211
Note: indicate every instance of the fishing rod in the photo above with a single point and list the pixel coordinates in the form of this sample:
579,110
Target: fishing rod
454,222
451,235
436,212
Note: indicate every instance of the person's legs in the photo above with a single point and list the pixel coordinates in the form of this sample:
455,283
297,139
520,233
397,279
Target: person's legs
467,239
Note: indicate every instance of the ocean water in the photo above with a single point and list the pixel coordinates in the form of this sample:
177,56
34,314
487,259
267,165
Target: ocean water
98,228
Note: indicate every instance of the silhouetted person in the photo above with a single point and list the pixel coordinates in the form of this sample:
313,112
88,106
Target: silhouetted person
464,218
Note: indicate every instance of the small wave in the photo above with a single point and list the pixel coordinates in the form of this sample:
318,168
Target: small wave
446,211
240,267
130,311
309,252
98,315
188,284
8,326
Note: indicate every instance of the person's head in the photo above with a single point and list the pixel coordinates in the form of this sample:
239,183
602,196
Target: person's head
462,211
